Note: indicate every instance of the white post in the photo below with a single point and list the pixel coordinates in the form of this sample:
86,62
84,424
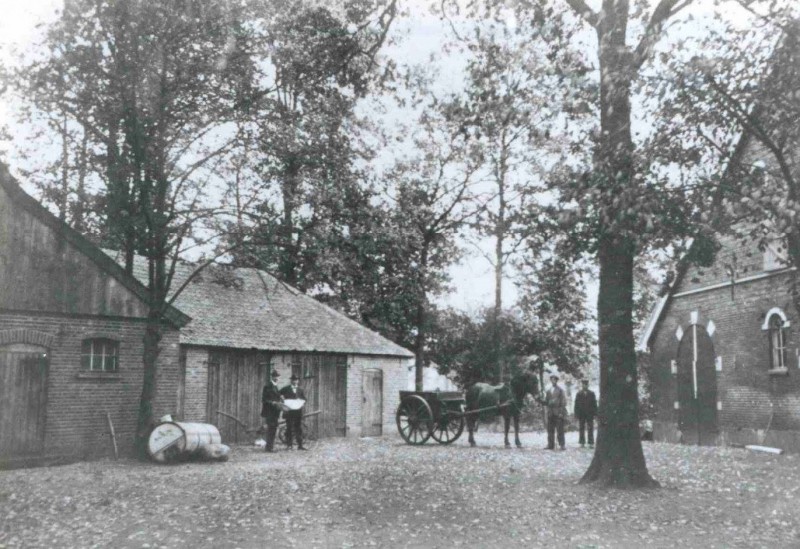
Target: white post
694,362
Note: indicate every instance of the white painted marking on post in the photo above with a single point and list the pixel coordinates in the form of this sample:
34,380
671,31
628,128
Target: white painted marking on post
694,362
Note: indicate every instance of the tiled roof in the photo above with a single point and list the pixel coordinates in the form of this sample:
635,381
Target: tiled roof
248,308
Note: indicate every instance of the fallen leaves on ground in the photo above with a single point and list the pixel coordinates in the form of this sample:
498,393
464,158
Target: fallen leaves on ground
384,493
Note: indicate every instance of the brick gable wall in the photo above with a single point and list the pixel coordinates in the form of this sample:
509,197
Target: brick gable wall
751,400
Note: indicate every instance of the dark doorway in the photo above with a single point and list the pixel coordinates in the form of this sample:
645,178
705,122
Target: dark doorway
697,387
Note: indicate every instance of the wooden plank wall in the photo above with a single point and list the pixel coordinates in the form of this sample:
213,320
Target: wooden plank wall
236,379
235,382
40,270
324,380
23,400
307,368
333,397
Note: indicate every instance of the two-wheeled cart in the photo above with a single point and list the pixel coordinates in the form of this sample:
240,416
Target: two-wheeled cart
439,415
431,414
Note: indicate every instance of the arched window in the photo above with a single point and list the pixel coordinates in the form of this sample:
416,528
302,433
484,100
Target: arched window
100,354
777,342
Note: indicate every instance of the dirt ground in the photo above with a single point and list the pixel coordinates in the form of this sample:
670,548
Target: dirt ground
384,493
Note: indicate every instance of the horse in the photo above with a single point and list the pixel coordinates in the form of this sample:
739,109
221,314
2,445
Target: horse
506,400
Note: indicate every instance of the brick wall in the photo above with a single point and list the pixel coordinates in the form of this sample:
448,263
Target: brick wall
77,401
195,384
751,399
395,373
742,258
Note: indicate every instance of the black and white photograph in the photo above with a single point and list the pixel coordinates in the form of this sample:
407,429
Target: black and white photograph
399,274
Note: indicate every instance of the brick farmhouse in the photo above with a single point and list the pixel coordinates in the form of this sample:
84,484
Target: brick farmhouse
71,328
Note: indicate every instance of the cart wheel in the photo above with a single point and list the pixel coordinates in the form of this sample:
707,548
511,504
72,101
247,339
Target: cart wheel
448,428
414,420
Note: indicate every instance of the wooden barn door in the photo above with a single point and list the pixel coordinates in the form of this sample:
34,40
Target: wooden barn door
235,382
333,396
372,403
697,387
324,380
23,399
307,369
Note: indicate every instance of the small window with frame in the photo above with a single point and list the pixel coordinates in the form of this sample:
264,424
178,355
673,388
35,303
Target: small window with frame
100,354
776,330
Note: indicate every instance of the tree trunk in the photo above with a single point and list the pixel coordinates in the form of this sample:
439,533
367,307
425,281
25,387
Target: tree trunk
79,214
63,203
419,346
421,319
152,338
618,460
500,231
289,254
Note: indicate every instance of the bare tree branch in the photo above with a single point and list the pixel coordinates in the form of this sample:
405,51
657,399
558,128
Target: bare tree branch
585,12
665,10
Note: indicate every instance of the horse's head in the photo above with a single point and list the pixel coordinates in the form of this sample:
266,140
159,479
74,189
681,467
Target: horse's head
525,383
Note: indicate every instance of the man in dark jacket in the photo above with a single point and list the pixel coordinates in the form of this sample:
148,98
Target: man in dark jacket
294,418
556,403
271,409
585,410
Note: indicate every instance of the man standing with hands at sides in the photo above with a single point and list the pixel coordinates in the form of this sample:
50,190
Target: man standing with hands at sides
556,402
585,410
294,418
271,409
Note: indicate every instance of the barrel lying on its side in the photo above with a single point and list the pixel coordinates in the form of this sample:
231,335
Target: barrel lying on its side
175,440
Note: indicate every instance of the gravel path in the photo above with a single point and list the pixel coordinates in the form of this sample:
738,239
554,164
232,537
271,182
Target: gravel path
384,493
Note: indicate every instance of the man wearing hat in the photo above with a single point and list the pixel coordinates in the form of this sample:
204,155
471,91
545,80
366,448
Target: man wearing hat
271,408
585,410
294,418
556,402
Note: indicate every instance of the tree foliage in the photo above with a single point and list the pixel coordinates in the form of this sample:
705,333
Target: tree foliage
150,85
741,102
306,134
433,201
